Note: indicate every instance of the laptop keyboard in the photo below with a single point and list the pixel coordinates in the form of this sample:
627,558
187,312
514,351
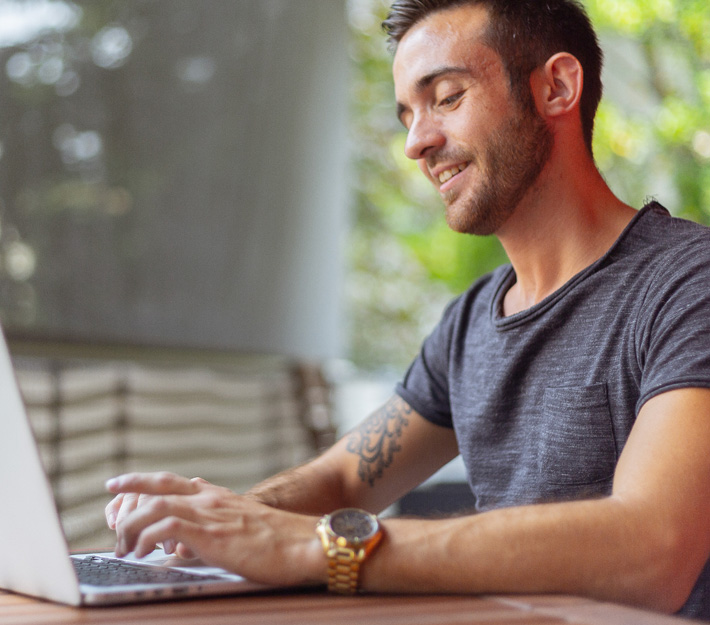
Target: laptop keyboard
100,571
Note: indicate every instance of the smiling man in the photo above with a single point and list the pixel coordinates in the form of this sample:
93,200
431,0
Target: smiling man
481,148
574,381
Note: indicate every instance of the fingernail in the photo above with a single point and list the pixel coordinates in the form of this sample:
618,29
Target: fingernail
111,484
169,546
111,520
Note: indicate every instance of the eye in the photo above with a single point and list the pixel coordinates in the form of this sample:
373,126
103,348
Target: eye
451,100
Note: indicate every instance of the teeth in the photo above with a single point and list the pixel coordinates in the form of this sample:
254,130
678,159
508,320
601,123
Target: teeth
450,173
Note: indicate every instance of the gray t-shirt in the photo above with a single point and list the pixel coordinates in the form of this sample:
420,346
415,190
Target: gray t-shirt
542,402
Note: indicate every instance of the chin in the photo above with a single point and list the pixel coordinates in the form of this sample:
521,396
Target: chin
480,214
471,221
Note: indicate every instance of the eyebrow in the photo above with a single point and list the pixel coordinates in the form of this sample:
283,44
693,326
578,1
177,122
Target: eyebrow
426,80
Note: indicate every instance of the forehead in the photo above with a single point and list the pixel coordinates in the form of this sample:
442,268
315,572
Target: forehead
447,38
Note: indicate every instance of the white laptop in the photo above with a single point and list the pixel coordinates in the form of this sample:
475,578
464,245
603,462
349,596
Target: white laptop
34,557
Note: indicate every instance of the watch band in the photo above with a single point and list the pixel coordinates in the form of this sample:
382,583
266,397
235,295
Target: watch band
343,570
346,551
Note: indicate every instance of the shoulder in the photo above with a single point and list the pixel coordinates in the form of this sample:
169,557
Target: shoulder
662,249
672,273
657,228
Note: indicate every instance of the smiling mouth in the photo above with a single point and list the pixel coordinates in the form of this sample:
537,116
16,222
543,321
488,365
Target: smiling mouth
448,174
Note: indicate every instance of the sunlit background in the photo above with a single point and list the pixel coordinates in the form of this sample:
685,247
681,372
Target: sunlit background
230,174
652,139
211,182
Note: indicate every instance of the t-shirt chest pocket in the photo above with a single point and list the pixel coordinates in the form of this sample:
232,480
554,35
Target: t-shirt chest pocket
577,443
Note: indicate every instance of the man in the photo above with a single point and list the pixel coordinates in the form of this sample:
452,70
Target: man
575,382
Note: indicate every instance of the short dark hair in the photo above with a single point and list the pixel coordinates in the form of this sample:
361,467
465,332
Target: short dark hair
525,33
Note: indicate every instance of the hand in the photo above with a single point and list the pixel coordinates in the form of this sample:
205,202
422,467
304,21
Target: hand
124,503
213,523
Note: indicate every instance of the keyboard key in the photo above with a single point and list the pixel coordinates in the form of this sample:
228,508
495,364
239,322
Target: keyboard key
100,571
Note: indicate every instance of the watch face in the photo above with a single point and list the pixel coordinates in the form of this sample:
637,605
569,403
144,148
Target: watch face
353,524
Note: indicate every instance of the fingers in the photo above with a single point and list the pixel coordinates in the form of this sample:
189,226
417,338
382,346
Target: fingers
134,490
111,510
121,506
163,483
129,503
182,531
184,552
133,530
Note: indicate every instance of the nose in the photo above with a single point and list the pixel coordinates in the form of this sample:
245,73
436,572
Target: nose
424,136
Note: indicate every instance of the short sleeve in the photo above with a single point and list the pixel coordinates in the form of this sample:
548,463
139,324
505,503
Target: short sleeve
425,386
673,331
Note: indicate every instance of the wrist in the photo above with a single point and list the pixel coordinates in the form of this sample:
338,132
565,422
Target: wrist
348,537
306,562
314,560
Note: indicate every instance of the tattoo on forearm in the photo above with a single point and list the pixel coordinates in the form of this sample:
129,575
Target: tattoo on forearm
377,440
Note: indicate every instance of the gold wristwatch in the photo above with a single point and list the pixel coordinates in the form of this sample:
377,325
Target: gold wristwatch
348,535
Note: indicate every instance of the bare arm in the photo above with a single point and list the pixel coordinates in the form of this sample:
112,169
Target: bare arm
387,455
392,451
645,544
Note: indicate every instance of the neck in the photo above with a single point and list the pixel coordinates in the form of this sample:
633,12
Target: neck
563,225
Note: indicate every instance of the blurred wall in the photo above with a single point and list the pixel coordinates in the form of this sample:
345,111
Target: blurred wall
173,173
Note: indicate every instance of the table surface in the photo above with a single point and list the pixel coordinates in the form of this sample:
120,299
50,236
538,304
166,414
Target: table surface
319,608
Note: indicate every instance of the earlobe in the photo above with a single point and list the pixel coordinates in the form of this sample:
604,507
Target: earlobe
558,85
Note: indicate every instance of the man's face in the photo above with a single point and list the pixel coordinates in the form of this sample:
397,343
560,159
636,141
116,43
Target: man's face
466,132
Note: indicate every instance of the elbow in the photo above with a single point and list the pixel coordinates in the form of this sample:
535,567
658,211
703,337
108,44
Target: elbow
667,599
673,564
672,594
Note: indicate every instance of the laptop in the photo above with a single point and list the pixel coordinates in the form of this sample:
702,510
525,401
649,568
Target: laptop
34,556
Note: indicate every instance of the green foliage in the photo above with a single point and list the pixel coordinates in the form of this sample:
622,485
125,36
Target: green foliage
652,139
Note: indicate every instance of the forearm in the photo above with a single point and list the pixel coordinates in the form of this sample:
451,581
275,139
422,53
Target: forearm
307,489
646,544
602,549
350,474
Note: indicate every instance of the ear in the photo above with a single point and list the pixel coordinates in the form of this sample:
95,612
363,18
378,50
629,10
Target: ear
557,86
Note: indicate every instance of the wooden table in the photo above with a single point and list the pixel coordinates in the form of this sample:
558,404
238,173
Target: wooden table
319,608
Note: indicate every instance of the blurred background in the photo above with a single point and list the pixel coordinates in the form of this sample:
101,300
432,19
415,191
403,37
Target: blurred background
209,233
